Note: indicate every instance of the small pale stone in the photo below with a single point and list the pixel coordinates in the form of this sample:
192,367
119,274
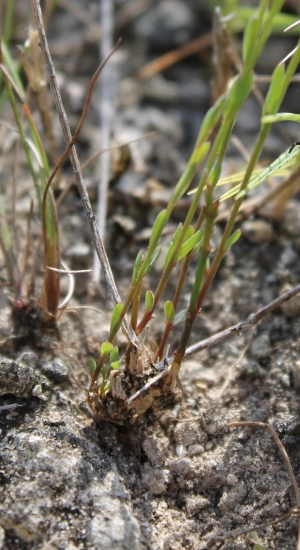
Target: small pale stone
196,504
281,406
195,450
232,480
2,537
37,390
156,480
285,380
180,466
155,449
186,433
231,499
181,450
54,418
258,231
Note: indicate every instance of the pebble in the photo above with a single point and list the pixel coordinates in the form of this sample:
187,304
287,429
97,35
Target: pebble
195,450
56,371
186,433
79,250
2,537
285,380
54,418
181,450
180,467
282,407
291,220
196,504
156,480
37,391
258,231
19,379
261,347
28,357
250,367
155,450
231,499
289,257
232,480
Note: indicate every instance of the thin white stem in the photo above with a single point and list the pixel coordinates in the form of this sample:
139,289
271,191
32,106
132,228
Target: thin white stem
106,116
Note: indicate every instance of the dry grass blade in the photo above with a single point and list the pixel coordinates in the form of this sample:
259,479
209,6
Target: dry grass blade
175,56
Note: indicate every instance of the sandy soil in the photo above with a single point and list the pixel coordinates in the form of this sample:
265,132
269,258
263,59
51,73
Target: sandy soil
179,478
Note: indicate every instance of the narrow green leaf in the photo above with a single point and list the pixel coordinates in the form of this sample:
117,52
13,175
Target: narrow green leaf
149,301
274,97
279,117
158,226
211,118
92,365
173,245
169,311
137,266
190,244
116,316
106,348
114,354
215,173
249,40
234,237
199,153
238,93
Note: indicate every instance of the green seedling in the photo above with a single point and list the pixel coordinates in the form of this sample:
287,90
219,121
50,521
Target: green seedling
124,393
192,240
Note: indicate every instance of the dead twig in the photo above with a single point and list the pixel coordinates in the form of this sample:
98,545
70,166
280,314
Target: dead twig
98,243
252,320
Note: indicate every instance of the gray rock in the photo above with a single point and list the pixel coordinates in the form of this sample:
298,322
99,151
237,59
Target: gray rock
291,219
58,485
155,480
56,371
250,367
261,347
289,257
232,499
169,23
187,433
156,449
19,379
180,467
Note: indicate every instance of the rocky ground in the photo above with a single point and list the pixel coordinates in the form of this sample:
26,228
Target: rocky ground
180,478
